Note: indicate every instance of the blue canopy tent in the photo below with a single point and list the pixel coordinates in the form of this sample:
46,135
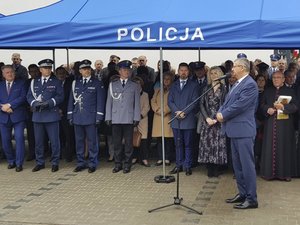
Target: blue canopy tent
230,24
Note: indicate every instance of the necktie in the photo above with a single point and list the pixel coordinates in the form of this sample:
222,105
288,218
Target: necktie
8,87
123,83
182,83
84,81
44,81
200,82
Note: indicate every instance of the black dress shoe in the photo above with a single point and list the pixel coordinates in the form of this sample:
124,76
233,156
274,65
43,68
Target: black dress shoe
236,199
91,169
175,170
126,170
38,167
167,163
117,169
188,172
246,205
54,168
145,164
11,166
79,169
158,163
19,168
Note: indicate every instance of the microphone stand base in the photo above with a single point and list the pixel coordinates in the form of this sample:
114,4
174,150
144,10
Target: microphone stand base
164,179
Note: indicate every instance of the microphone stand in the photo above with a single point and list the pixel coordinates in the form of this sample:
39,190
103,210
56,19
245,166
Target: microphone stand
177,199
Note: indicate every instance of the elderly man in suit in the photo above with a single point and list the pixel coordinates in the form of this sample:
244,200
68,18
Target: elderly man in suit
238,117
182,93
86,111
44,96
123,113
12,116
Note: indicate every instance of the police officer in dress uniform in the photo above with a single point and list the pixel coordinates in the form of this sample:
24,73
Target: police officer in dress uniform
274,64
86,111
123,113
12,116
44,95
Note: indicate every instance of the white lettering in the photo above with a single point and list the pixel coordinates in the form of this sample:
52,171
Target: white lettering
122,33
198,34
149,35
140,33
160,33
173,29
185,37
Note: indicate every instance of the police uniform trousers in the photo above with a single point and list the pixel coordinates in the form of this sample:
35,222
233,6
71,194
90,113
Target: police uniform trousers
52,130
6,136
120,131
184,147
89,133
244,166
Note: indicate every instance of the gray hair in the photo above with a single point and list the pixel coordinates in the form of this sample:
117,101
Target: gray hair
244,62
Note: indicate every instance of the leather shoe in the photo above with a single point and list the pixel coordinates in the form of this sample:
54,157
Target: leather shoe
145,164
116,169
38,167
91,169
11,166
19,168
246,205
159,163
126,170
78,169
54,168
175,170
235,199
188,172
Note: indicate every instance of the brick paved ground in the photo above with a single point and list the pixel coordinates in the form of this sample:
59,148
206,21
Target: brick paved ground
67,198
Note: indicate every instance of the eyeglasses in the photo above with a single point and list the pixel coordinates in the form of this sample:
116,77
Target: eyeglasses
237,66
141,60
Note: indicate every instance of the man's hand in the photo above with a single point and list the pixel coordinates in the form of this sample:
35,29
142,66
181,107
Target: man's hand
98,122
44,105
278,106
180,114
271,111
220,117
70,122
5,107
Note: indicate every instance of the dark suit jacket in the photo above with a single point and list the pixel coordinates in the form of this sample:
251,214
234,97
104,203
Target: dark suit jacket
178,99
17,100
239,109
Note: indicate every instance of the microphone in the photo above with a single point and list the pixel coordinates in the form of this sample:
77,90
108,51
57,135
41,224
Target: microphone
227,75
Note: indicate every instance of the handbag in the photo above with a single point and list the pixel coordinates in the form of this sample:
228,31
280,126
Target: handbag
137,138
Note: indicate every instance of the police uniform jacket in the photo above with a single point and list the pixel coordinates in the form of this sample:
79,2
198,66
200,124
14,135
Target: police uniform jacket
52,93
92,104
178,99
123,104
17,100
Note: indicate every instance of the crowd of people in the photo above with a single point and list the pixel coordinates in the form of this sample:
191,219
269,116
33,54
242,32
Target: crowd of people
67,112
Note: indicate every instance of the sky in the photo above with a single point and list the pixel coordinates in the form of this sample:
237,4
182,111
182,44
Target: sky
211,57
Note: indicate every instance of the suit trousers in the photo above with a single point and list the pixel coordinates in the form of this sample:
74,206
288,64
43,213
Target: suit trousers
89,133
244,166
52,130
120,132
184,146
6,135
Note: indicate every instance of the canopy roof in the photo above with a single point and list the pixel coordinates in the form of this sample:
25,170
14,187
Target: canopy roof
230,24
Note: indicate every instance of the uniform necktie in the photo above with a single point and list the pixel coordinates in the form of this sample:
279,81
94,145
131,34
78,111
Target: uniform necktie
8,87
44,81
123,83
200,82
182,83
85,81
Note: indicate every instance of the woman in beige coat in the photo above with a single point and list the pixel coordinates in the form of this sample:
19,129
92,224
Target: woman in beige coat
156,131
143,151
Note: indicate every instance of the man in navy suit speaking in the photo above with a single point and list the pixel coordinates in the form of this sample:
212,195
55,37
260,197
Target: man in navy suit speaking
237,116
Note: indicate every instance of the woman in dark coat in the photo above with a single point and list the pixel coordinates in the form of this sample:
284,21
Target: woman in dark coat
212,144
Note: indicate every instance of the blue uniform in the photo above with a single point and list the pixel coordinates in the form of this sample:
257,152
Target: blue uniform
16,120
46,119
86,108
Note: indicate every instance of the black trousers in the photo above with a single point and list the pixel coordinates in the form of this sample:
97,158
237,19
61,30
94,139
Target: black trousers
143,151
169,148
120,132
67,138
